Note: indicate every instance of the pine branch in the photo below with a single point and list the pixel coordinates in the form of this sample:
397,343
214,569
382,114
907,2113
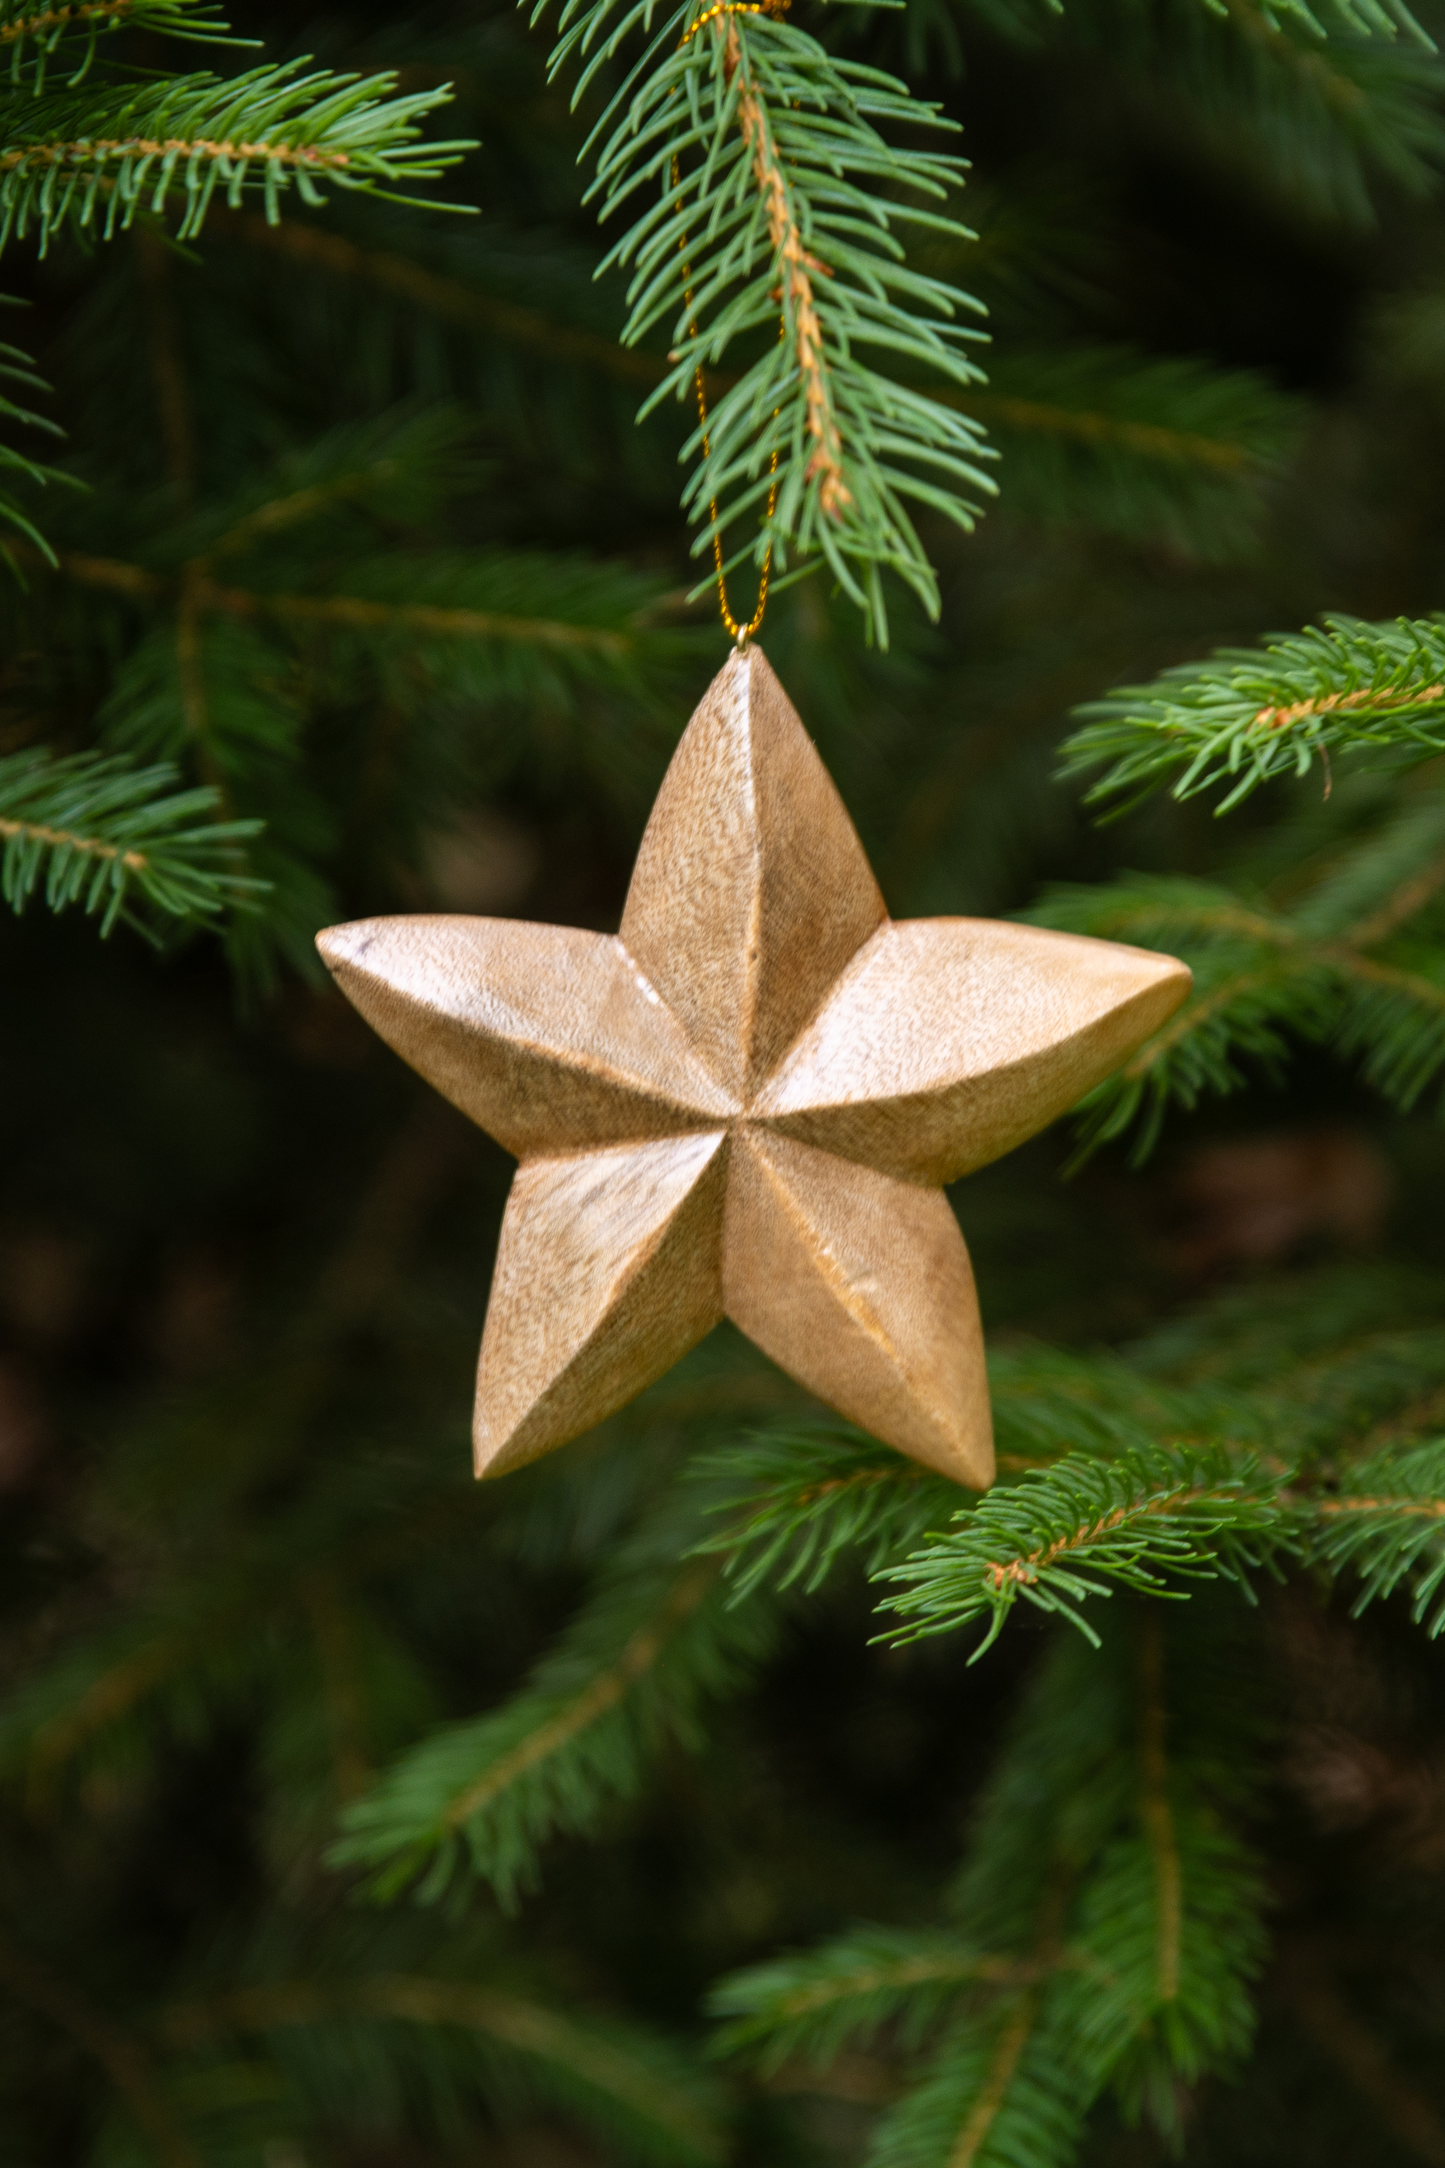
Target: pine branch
817,2002
1316,104
65,35
749,160
309,547
1131,445
1323,124
440,573
125,149
1257,985
184,1662
105,834
1332,1364
1168,1930
631,1672
1098,436
229,632
624,2084
1101,1858
1156,2031
1357,18
1025,20
1084,1527
1121,1913
1002,2088
450,299
1319,119
795,1501
16,369
1249,715
1386,1524
1266,977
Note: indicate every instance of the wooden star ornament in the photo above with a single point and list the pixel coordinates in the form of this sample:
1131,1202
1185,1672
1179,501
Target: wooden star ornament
745,1103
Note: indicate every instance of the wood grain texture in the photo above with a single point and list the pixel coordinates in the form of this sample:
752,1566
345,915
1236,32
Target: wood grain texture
860,1287
549,1038
751,890
609,1269
745,1103
948,1041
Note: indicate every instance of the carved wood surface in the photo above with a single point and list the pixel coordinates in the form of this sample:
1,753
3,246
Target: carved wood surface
744,1104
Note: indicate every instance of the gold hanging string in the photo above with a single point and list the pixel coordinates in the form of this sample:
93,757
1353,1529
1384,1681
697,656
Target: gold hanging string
740,633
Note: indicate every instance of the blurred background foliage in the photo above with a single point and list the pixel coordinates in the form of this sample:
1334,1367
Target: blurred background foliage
370,543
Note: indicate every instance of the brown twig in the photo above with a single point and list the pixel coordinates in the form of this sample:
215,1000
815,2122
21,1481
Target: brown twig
413,617
1425,1509
133,861
1091,427
1021,1571
916,1972
1015,2034
1009,2046
444,297
1300,711
94,149
797,269
200,594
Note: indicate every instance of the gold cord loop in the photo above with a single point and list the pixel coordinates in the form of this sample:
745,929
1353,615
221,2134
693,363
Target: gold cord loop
733,7
740,633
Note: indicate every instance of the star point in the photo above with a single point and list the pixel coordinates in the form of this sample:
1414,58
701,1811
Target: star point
746,1102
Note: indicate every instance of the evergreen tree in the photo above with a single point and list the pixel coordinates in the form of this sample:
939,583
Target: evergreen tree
723,1785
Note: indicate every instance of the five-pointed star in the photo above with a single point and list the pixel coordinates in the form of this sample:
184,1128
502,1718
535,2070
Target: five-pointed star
744,1104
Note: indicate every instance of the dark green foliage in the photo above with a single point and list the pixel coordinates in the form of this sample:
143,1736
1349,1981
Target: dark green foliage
64,41
100,155
352,1816
795,1502
369,2048
1168,450
85,135
633,1673
1105,1924
227,636
1344,954
1386,1523
15,369
104,833
1324,125
814,2004
1065,1533
782,151
1244,717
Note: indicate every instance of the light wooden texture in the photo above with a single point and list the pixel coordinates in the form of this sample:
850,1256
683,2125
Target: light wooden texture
745,1103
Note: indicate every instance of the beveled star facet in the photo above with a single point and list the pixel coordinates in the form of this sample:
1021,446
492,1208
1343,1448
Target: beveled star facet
745,1103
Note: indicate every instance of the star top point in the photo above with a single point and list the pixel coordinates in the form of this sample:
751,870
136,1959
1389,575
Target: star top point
745,1103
